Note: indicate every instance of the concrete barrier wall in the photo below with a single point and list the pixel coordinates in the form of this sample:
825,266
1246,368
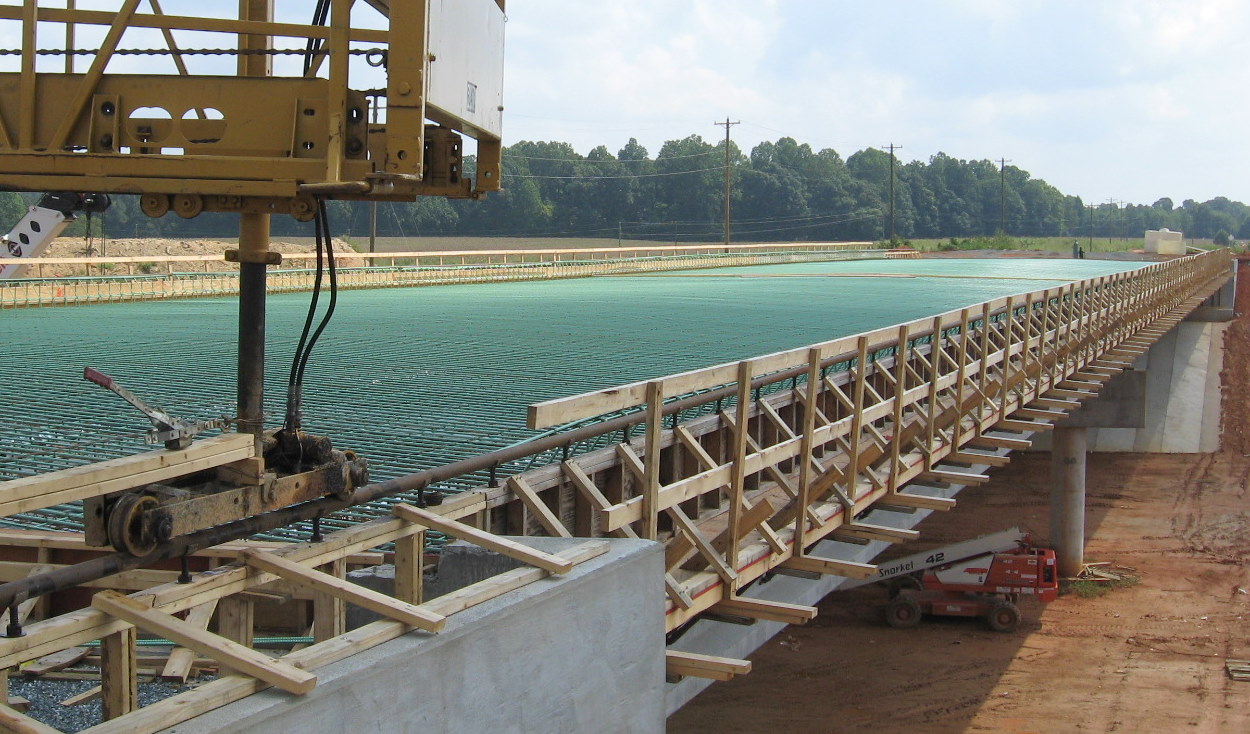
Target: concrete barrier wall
578,653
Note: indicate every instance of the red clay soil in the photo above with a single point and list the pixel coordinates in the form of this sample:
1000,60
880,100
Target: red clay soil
1148,657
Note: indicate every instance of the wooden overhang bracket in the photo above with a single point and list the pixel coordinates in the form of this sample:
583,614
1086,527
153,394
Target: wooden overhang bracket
866,531
323,583
680,664
243,659
763,609
490,541
832,567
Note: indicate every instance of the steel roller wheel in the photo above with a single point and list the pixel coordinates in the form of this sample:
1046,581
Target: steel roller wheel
125,524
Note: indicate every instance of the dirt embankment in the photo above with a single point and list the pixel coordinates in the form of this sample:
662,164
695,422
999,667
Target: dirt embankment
1146,658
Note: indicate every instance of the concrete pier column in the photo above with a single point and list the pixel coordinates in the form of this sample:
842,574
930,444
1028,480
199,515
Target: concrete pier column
1067,498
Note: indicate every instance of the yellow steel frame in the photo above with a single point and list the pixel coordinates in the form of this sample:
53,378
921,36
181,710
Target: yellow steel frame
276,139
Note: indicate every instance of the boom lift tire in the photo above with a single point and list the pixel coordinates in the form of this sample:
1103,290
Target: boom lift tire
1003,617
902,612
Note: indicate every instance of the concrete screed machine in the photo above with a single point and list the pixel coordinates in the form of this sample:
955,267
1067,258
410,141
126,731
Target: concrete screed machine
983,577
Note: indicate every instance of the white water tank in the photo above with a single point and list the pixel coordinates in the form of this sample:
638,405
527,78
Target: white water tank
1165,242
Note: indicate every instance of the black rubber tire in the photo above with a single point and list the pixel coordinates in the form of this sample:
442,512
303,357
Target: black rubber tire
903,612
1003,617
897,586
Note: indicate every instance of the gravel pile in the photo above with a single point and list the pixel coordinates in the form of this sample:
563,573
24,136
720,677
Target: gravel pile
45,698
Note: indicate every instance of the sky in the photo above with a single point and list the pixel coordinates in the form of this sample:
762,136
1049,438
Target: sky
1125,100
1109,100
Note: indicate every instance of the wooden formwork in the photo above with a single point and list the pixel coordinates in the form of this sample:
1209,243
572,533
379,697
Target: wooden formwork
788,449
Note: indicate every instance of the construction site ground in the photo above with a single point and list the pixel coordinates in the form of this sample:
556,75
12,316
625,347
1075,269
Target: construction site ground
1143,657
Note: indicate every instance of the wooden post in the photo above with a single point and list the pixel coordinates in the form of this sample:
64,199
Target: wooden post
234,619
737,482
119,679
805,450
857,420
900,394
330,612
651,489
409,559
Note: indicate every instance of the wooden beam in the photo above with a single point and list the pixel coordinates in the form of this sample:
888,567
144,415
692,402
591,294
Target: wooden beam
866,531
831,567
1023,426
93,480
1046,401
704,666
178,666
973,457
242,659
772,611
487,540
12,721
709,554
681,598
1040,414
410,568
56,661
951,476
921,501
90,694
374,601
1001,442
541,511
119,672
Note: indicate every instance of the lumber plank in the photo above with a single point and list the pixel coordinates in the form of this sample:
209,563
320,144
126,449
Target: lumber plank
677,592
119,671
877,532
1040,414
973,457
951,476
490,541
90,694
56,661
1046,401
178,666
93,480
995,441
541,511
242,659
343,589
921,501
704,666
773,611
832,567
1023,426
710,554
17,723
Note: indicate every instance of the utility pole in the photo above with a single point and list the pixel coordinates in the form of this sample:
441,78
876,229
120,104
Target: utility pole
892,148
728,176
1002,195
1110,231
1091,227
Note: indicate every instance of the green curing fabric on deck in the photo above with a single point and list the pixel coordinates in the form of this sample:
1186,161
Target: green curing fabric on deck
418,377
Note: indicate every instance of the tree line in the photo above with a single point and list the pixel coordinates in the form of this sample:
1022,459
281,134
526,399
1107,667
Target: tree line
781,190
